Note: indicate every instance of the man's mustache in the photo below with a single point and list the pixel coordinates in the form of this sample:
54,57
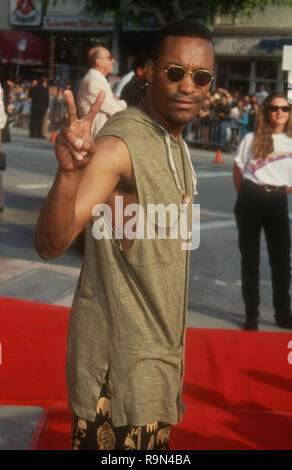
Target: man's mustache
176,96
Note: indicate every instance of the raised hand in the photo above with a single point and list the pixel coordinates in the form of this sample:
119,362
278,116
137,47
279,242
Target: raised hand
74,145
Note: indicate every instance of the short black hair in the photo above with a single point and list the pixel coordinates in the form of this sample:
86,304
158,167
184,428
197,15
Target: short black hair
180,28
140,61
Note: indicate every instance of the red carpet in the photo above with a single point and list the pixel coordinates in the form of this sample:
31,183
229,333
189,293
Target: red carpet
237,386
33,338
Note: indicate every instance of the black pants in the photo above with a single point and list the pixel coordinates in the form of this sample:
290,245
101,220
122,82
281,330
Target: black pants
255,209
36,123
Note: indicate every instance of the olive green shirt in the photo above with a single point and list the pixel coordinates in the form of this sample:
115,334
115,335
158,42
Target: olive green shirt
129,310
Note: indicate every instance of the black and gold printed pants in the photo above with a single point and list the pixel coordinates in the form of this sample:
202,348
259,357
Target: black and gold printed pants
102,435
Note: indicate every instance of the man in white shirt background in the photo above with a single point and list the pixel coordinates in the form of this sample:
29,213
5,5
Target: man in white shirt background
101,64
3,120
261,94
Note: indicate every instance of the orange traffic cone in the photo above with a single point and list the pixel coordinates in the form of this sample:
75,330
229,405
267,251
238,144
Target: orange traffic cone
218,158
53,136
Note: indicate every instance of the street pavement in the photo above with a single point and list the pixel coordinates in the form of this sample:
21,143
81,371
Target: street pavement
215,295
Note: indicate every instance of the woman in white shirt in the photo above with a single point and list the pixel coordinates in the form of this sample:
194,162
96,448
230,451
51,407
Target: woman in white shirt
263,178
3,120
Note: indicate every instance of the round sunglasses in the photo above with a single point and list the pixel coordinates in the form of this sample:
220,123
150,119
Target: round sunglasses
176,73
274,109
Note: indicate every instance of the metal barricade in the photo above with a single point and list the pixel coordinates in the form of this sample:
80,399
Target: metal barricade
211,134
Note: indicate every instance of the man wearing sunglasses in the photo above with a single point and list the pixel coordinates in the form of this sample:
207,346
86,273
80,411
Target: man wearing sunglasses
101,65
127,326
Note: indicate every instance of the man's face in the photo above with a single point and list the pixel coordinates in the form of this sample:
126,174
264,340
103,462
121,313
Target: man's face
179,102
105,61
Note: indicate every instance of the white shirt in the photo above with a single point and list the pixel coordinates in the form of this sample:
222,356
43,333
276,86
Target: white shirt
234,115
261,96
3,116
123,81
276,169
93,82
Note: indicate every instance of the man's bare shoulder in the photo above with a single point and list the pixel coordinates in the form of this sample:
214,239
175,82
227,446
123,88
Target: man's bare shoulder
111,155
109,165
127,123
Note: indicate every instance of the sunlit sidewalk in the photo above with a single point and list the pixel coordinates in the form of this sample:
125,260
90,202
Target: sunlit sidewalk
37,281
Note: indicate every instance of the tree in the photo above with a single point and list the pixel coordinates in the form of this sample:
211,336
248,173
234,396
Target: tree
140,13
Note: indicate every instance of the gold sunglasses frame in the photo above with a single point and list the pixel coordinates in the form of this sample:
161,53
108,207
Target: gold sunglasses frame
186,72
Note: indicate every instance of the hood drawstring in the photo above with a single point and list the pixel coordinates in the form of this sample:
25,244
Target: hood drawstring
173,166
194,176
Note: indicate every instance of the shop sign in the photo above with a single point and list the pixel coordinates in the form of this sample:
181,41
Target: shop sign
25,12
253,46
73,23
273,44
15,60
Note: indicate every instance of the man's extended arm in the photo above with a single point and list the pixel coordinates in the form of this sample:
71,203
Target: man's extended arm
56,221
80,184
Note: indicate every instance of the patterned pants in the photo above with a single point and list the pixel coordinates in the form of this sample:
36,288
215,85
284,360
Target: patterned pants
101,435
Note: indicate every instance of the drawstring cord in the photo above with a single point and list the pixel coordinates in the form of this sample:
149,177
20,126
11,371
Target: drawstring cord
173,166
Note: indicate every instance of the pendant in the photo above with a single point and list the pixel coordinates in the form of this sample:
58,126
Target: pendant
186,200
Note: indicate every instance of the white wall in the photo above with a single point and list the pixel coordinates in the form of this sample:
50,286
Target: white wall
65,8
272,17
4,15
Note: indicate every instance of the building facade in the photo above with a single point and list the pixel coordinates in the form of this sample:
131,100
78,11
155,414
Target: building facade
57,37
248,49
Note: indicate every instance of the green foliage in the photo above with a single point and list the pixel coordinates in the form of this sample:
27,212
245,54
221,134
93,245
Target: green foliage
141,13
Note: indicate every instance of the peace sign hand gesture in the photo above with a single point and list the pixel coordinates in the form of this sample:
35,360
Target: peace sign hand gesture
74,145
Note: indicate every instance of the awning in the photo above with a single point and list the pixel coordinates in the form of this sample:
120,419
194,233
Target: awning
36,53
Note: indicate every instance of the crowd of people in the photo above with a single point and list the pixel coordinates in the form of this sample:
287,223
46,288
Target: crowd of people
34,103
224,119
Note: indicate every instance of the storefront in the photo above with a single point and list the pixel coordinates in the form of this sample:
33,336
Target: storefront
244,58
32,60
70,39
58,36
244,63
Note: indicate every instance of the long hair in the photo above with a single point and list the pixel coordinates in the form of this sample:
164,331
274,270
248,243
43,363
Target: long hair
263,141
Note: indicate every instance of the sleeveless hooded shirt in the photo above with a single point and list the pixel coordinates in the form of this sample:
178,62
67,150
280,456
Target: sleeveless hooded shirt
129,310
